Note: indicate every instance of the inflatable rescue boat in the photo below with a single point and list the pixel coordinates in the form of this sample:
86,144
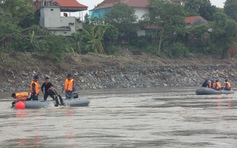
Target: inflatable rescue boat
210,91
44,104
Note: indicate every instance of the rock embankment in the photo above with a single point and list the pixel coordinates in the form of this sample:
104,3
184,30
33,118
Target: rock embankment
153,76
130,76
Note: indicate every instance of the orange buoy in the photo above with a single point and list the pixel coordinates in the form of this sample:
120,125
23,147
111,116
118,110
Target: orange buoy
20,105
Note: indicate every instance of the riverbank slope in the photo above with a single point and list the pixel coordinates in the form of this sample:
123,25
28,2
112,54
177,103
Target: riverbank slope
122,70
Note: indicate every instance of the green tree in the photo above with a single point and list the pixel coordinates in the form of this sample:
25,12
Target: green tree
169,19
199,39
110,37
224,33
111,34
230,9
78,38
86,19
93,36
22,11
200,7
122,17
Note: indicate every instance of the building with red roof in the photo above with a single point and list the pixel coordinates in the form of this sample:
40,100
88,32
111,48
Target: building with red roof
192,21
51,19
65,5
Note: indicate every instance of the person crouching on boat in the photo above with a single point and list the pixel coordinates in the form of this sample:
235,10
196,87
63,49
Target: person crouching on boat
205,83
227,85
20,96
35,88
69,87
217,85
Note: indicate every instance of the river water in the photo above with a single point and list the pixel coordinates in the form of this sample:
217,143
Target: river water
155,117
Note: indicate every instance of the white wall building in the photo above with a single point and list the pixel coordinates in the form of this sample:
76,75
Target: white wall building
51,19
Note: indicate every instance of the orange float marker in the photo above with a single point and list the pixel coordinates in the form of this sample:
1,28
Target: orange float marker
20,105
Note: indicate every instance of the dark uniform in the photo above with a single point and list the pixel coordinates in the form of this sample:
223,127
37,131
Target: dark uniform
47,92
205,83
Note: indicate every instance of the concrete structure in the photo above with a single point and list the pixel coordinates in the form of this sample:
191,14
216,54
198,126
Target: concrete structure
51,19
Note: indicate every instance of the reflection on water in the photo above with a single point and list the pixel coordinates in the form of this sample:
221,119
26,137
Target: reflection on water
222,101
164,117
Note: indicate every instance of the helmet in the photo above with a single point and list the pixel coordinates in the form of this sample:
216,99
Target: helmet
69,75
36,77
226,80
217,80
13,95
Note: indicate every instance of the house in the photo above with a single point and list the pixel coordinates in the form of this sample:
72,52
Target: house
194,20
140,7
51,19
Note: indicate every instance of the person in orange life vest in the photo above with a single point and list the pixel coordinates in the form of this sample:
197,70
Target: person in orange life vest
212,83
218,85
69,87
20,96
227,85
35,88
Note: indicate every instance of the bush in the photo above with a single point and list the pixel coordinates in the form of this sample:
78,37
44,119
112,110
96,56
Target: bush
179,50
139,42
56,56
111,49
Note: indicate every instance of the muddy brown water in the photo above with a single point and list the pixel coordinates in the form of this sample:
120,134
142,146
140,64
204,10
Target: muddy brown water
155,117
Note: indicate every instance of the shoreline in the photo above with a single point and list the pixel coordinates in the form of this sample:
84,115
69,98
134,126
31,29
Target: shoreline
95,71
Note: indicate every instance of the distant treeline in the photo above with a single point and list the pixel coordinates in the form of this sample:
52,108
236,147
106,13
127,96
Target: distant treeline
19,30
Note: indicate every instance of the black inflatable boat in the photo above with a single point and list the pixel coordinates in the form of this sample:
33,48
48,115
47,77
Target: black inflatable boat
210,91
44,104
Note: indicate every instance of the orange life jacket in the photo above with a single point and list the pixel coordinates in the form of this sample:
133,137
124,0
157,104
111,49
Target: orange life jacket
228,86
218,86
211,84
68,85
37,87
21,96
214,85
